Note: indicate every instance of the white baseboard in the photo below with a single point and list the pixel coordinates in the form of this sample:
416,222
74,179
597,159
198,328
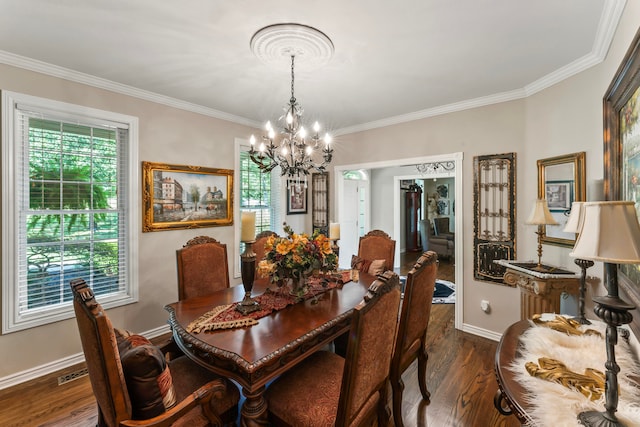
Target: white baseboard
57,365
485,333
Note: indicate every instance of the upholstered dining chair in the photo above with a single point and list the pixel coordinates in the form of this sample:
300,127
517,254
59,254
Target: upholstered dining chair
135,385
412,329
377,245
344,391
203,267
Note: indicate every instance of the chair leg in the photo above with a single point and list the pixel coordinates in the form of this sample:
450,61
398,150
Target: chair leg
397,386
423,357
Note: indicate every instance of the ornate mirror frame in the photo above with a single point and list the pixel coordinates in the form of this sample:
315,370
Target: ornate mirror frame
622,155
562,181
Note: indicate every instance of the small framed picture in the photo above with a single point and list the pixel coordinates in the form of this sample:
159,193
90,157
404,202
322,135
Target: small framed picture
405,184
296,198
559,195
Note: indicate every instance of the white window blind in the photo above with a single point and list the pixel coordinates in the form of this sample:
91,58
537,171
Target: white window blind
257,192
72,187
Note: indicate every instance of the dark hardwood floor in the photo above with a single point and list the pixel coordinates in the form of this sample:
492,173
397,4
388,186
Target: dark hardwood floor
460,378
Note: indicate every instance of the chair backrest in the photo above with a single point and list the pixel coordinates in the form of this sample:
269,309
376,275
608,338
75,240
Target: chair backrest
258,246
377,244
101,355
203,267
370,347
416,309
441,225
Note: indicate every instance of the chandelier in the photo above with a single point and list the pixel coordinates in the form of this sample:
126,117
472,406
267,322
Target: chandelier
297,151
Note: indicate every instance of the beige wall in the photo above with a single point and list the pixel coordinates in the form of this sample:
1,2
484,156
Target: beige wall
562,119
166,135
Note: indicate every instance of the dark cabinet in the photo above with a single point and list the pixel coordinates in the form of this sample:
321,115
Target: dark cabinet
413,198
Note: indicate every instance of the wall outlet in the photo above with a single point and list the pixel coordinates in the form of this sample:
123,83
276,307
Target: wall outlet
485,306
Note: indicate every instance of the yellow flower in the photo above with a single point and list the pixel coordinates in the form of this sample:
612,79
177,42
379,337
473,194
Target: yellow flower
284,247
265,268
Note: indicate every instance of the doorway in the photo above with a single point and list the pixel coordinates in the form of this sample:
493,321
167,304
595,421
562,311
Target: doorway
387,215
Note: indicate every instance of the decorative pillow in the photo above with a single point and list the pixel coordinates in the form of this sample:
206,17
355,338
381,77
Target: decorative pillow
147,375
377,267
374,267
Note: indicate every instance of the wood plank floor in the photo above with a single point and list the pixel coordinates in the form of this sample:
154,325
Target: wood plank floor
460,378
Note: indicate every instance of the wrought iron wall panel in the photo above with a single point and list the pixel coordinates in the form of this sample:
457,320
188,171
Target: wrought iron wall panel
320,202
494,214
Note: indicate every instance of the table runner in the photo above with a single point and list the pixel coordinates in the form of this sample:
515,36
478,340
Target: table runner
227,317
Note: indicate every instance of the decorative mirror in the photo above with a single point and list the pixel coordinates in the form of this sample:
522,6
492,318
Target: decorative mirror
561,180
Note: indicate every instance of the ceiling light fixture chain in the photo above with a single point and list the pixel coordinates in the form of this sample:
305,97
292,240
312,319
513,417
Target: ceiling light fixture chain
434,167
295,151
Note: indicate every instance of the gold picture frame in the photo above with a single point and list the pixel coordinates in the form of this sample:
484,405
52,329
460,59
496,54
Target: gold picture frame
563,176
621,156
179,197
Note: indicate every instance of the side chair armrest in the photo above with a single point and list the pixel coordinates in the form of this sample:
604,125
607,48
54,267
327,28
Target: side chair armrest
201,396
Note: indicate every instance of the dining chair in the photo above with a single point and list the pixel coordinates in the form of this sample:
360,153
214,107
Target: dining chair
377,245
203,267
328,390
135,385
412,329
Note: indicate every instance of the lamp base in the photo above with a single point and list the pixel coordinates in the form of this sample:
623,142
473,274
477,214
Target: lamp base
598,419
248,305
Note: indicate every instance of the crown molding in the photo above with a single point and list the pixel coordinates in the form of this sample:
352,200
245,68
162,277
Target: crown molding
611,13
78,77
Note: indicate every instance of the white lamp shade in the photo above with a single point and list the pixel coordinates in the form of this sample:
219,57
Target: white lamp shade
610,232
573,223
540,214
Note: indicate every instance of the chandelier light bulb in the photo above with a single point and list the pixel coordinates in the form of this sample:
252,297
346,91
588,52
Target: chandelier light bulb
289,118
309,150
272,134
302,132
316,127
284,150
327,139
252,140
262,147
268,126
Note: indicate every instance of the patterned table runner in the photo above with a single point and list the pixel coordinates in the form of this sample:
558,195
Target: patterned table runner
227,317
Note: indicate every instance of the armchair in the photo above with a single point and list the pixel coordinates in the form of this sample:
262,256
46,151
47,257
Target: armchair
133,383
444,246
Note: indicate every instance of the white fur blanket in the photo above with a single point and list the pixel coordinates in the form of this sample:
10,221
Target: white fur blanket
557,406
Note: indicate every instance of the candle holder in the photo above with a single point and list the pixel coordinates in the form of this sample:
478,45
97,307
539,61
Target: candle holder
248,271
334,247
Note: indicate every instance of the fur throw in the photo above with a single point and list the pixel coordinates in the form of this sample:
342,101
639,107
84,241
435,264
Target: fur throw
558,406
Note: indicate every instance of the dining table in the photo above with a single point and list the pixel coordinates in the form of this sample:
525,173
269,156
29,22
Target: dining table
254,355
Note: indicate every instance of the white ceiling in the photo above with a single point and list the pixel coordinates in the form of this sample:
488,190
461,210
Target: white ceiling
393,61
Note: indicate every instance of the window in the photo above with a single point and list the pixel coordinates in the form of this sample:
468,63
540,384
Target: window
258,192
69,175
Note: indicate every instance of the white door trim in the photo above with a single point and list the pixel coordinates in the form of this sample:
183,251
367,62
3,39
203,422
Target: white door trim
459,239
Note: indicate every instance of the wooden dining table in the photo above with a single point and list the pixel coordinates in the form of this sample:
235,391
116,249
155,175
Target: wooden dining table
256,354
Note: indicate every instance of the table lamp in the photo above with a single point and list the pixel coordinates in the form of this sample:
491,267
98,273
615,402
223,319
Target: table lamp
540,216
248,262
610,233
573,226
334,236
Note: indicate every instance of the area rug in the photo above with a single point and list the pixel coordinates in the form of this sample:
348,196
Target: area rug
444,293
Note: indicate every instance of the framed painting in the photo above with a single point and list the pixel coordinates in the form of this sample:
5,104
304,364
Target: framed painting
622,155
559,195
178,197
296,198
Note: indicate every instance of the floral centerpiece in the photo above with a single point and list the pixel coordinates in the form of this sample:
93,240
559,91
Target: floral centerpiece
295,257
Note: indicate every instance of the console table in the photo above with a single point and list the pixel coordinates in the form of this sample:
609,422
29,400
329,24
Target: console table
540,290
